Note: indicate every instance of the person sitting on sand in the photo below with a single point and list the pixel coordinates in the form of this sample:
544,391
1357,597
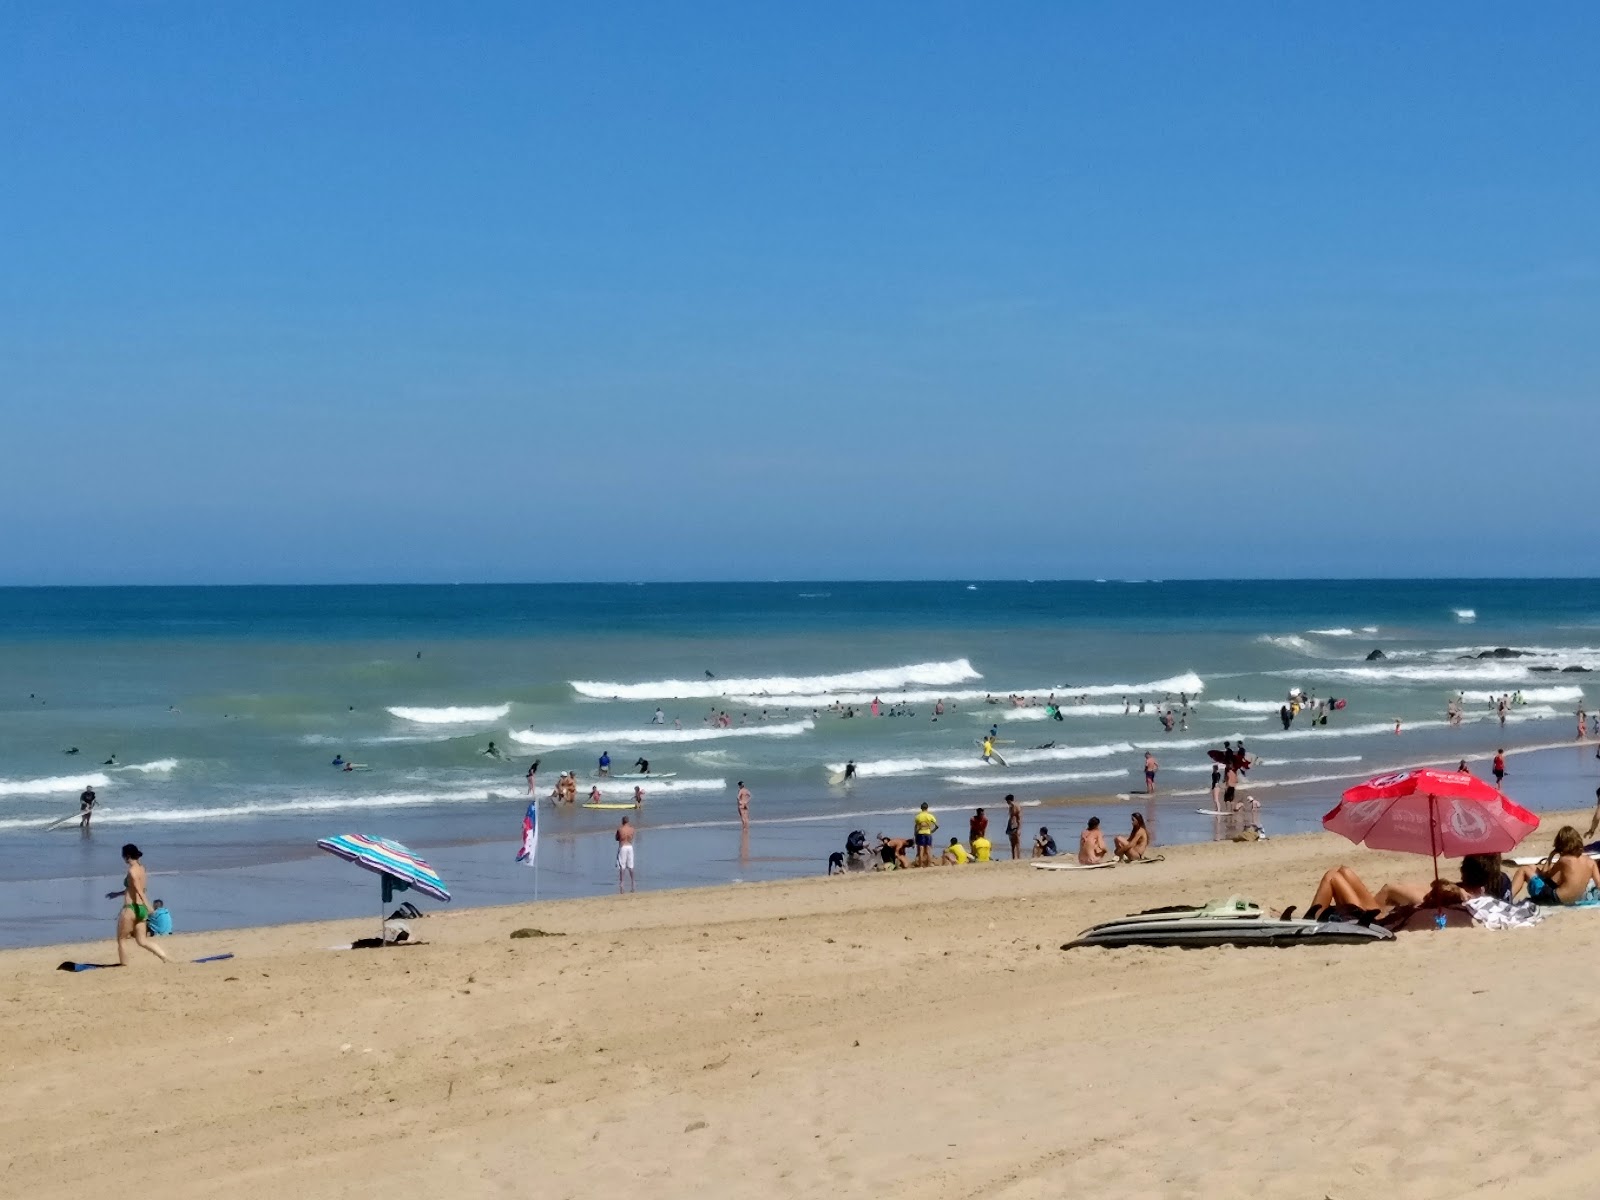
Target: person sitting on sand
1567,876
1044,846
982,849
955,854
1136,843
160,922
1092,843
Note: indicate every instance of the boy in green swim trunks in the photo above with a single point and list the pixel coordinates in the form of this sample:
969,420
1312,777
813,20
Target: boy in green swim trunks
135,909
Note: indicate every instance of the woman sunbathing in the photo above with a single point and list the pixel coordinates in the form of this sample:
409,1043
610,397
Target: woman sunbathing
1480,876
1136,843
1567,876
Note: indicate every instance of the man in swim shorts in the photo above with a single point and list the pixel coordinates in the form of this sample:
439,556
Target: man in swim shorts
1014,825
1150,768
926,825
625,854
86,807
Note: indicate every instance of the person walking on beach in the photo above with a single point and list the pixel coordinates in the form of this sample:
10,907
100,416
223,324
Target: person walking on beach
1499,767
1014,825
744,806
625,854
926,825
86,807
135,913
1151,766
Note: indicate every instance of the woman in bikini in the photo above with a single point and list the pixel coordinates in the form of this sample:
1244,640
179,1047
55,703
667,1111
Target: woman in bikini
135,908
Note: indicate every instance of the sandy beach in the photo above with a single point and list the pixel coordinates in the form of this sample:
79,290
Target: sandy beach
915,1033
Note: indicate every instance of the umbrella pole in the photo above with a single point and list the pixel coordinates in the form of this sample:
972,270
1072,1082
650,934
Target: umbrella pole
1433,843
388,899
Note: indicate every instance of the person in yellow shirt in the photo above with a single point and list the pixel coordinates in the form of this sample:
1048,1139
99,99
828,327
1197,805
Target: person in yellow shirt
926,824
955,854
981,849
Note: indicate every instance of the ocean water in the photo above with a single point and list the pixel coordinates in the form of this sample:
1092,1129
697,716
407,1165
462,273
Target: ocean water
223,708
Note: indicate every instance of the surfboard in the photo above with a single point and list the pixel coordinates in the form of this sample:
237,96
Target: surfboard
627,806
1227,931
72,817
1073,866
621,777
994,756
1217,812
836,778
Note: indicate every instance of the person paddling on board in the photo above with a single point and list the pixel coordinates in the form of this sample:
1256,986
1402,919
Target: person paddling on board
643,764
493,751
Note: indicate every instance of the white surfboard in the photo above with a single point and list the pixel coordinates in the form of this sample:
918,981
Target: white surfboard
836,778
1073,866
71,817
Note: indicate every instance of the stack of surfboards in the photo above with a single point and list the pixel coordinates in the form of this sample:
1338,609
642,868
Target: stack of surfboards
1231,922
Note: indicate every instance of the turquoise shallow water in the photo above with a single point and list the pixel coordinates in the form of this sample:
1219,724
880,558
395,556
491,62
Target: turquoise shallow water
223,708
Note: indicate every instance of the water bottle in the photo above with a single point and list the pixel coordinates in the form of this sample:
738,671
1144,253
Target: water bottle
1438,919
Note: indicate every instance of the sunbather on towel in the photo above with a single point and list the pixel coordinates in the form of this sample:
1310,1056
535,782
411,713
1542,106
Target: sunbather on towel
1566,877
1414,905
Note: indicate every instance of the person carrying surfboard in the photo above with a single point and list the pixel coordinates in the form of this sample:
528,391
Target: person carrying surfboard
86,807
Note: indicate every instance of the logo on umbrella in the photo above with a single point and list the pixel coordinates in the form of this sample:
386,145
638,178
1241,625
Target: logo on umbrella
1383,781
1468,821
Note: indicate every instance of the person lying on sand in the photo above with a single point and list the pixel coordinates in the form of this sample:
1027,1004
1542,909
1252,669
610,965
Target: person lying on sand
1136,843
1413,905
1567,876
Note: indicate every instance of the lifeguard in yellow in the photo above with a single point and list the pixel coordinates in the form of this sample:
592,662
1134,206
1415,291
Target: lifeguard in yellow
988,749
981,848
955,853
926,824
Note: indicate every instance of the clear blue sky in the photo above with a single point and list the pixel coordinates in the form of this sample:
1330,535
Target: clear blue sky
389,291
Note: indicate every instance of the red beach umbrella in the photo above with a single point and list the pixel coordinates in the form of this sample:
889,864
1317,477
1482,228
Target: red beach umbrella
1425,811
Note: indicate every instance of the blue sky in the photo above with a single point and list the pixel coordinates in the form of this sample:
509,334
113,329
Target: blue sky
424,292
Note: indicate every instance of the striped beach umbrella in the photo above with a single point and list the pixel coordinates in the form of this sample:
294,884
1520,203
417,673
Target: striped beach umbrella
398,866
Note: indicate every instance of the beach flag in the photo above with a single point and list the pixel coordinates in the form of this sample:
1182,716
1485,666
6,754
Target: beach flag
530,834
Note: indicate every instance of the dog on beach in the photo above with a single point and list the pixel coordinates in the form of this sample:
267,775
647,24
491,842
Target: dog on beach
836,863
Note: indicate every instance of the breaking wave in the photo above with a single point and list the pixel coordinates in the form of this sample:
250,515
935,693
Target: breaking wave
452,715
1040,777
53,784
652,735
883,679
160,766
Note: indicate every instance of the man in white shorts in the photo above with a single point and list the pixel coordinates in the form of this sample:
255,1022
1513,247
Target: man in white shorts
625,853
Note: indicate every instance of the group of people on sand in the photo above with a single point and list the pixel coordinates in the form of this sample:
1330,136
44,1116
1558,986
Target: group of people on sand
918,849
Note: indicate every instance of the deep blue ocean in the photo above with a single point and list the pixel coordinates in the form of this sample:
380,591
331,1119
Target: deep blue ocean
207,719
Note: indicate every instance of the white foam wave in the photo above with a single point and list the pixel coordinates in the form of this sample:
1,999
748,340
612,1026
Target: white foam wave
1246,706
52,784
1039,777
452,714
918,766
1037,713
1174,685
160,766
652,735
1289,641
775,687
1465,615
1486,671
1340,632
623,785
302,804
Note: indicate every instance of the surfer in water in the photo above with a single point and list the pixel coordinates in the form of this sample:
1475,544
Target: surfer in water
850,770
493,751
86,807
643,764
605,763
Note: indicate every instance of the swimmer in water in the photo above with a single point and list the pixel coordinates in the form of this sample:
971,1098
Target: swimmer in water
493,751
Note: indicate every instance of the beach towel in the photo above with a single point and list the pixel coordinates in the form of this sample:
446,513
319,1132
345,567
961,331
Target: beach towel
1503,914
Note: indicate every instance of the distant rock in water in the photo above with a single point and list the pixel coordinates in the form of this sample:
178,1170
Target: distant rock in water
1377,656
1572,670
1502,652
1546,670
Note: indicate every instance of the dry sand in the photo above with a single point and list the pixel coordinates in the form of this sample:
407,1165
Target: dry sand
917,1033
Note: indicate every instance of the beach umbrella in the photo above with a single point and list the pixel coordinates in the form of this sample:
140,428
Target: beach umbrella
399,868
1425,811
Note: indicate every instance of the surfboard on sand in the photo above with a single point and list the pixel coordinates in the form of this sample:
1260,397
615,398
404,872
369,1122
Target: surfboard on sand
1073,866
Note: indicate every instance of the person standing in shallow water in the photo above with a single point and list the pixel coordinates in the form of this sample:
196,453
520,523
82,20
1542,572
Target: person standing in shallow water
135,913
744,806
1014,825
